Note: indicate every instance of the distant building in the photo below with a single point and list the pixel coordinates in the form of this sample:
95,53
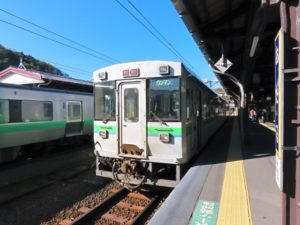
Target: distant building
21,76
231,106
220,91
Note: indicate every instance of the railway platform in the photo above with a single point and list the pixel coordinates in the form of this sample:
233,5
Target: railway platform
230,183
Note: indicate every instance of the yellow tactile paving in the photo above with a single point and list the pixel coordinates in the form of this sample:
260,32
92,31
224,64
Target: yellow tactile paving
234,205
268,126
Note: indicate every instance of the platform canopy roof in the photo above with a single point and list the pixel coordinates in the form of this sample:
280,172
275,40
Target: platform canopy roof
243,31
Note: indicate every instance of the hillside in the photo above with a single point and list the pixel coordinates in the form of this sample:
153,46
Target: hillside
12,58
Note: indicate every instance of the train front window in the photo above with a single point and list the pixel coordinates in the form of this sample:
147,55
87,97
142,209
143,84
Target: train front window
164,99
105,101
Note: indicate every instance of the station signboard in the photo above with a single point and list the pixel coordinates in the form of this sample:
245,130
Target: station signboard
279,106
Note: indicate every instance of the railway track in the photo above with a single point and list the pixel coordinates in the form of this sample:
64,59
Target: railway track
121,208
20,179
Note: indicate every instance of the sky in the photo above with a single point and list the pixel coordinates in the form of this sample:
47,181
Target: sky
97,28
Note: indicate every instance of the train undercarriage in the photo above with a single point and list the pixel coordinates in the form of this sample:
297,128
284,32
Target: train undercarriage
132,173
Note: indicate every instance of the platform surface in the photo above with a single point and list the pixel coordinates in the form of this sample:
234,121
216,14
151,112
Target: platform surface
231,183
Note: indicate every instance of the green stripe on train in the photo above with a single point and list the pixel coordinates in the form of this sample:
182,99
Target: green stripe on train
17,127
88,122
110,129
159,130
151,130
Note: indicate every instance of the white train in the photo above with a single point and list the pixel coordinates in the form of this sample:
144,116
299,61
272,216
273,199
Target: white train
151,118
31,115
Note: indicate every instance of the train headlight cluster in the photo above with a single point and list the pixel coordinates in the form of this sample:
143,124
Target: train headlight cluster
102,75
164,70
103,134
164,137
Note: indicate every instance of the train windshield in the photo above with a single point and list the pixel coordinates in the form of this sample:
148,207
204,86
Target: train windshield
105,101
164,99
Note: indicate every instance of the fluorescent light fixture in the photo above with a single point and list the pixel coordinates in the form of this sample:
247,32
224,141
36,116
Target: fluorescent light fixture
254,45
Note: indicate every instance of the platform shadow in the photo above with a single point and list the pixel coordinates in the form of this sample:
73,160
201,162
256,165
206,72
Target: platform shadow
259,143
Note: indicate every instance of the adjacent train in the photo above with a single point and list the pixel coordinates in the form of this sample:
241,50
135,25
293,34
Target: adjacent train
151,118
30,115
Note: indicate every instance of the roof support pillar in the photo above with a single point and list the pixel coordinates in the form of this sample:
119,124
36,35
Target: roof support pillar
289,16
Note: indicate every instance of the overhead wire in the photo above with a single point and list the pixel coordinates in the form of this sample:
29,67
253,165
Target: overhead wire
56,41
161,39
70,68
111,59
160,34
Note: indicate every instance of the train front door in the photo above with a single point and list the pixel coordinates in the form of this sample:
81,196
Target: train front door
132,118
74,118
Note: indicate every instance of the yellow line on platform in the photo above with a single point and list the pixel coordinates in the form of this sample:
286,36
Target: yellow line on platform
234,204
268,127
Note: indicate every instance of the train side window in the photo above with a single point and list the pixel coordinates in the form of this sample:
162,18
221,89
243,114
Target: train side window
131,105
188,104
74,111
33,111
15,111
4,111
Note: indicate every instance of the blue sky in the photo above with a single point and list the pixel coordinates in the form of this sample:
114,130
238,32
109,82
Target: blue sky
103,26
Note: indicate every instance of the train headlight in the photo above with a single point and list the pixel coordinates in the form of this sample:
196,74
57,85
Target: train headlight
164,137
102,75
103,134
164,70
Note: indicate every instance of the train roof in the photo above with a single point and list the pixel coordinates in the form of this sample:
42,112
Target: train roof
145,69
36,88
137,69
46,79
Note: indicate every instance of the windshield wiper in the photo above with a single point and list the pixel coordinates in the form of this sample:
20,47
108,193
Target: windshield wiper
159,119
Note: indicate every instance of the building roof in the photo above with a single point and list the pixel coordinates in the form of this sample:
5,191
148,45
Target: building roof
15,75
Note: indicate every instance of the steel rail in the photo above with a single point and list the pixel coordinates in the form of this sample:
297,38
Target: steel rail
100,208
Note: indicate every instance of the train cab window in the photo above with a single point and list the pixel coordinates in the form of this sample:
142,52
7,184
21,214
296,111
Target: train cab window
164,99
105,101
205,111
34,111
131,105
4,111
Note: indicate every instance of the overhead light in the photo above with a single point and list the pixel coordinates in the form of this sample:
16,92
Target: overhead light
254,45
